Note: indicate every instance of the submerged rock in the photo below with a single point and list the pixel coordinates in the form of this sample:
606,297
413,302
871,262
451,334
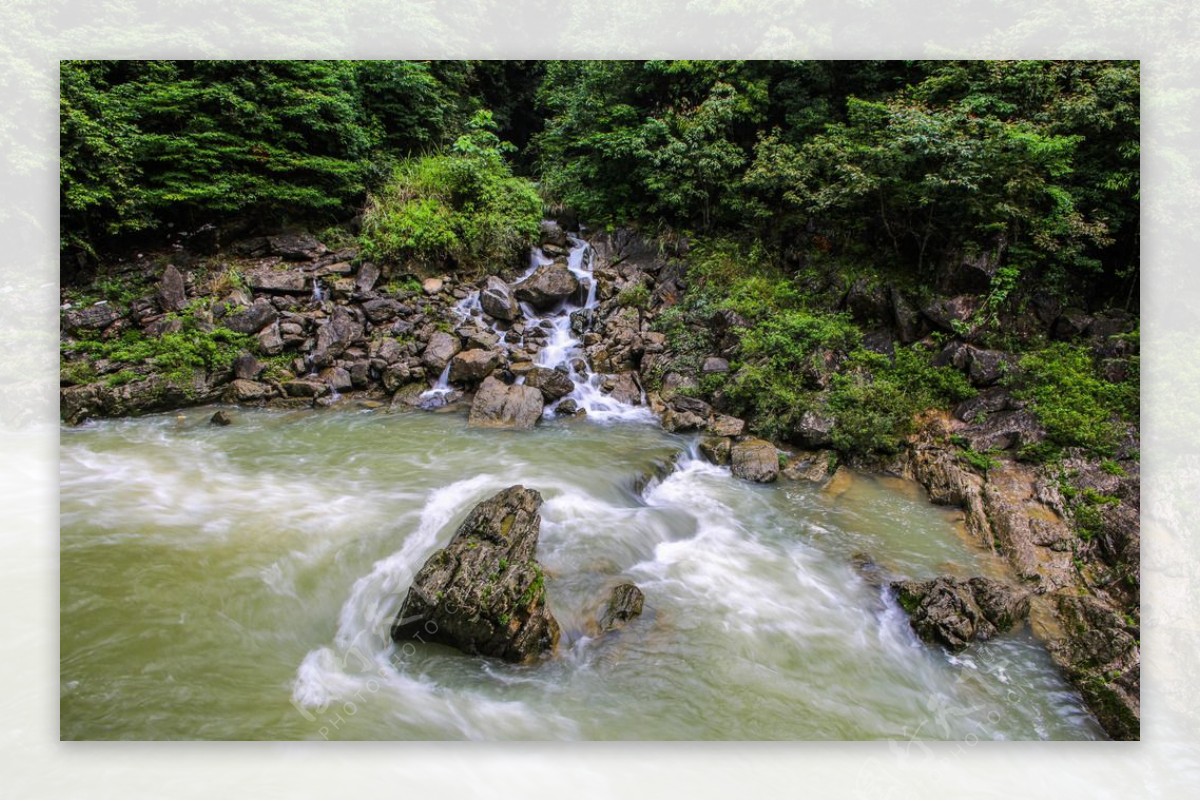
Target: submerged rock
500,405
755,460
484,593
955,612
624,604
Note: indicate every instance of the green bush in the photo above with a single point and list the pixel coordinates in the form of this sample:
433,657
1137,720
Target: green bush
1078,406
465,207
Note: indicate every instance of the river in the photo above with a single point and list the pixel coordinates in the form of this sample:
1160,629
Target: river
238,583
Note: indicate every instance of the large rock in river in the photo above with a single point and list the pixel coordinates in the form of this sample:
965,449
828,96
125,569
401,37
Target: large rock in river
441,349
955,612
484,593
755,459
547,286
500,405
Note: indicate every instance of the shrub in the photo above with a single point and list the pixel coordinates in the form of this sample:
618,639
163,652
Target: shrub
465,206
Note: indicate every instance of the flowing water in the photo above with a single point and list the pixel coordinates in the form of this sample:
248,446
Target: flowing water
239,583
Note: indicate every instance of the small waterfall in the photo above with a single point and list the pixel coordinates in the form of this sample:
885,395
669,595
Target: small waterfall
438,395
319,293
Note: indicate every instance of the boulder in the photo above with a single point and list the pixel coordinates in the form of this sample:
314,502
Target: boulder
485,593
277,281
715,364
553,384
335,336
810,466
295,247
247,367
989,366
220,419
624,604
497,299
548,286
951,313
368,276
755,460
625,390
242,390
172,296
814,430
956,612
92,318
432,286
305,388
271,340
380,310
500,405
723,425
441,349
868,302
253,319
472,366
716,449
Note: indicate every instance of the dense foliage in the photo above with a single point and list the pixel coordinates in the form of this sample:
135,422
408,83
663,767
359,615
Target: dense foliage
464,206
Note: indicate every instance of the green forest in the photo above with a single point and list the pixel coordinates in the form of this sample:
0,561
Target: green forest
800,191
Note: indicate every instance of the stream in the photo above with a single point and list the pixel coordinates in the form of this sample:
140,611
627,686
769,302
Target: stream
239,582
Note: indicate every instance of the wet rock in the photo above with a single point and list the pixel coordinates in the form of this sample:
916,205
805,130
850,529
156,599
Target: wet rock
814,430
548,286
497,299
484,593
336,378
500,405
295,247
553,384
716,449
810,466
625,389
152,394
172,294
567,408
956,612
755,460
869,570
253,319
472,366
220,418
441,349
624,604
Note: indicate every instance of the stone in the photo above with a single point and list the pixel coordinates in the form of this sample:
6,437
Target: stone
910,323
956,612
985,403
432,286
247,367
1004,430
441,349
625,390
472,366
567,408
755,460
973,274
336,378
92,318
624,604
716,449
485,593
305,388
814,430
868,303
172,294
810,466
220,418
722,425
243,390
277,281
380,310
951,313
338,333
295,247
553,384
1071,323
497,299
500,405
368,276
548,286
989,366
715,364
271,341
253,319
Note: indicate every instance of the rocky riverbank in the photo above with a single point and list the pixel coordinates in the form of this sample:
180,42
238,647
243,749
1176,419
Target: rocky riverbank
287,321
